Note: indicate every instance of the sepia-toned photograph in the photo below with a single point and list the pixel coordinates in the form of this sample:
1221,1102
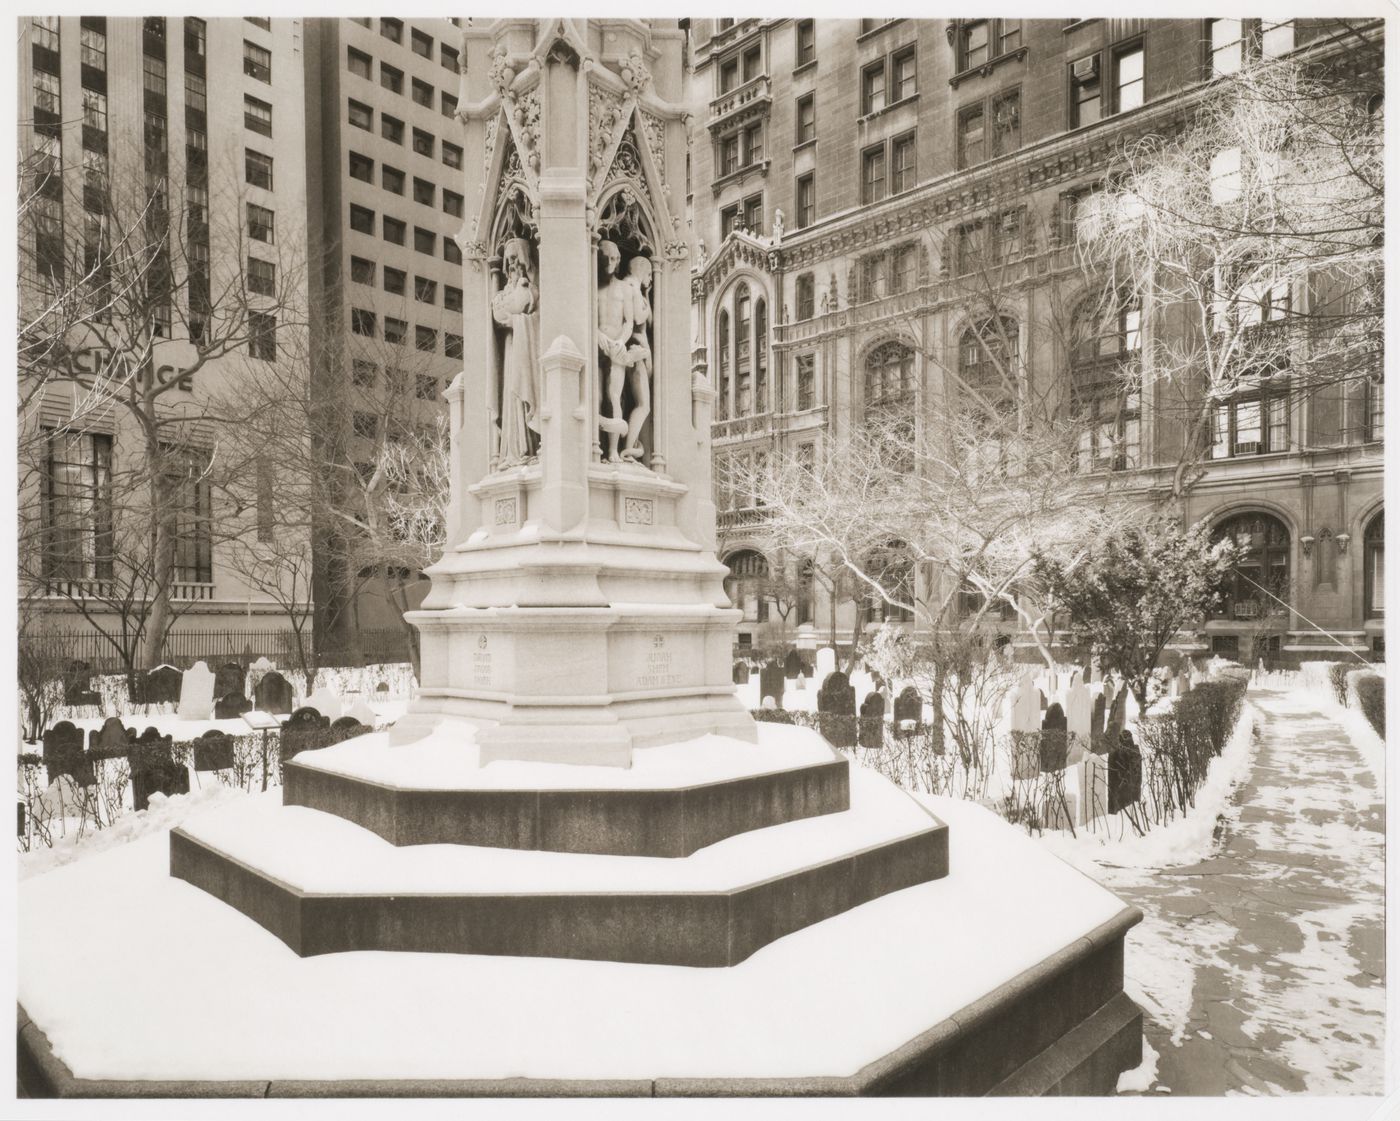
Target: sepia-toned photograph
582,557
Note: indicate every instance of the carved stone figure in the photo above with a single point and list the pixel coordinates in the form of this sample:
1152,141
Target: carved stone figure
778,225
639,274
516,309
623,315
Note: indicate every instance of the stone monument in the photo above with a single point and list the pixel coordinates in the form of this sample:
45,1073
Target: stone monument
578,611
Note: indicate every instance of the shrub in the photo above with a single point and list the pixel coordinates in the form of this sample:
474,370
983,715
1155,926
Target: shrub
1337,675
774,716
1370,695
1211,710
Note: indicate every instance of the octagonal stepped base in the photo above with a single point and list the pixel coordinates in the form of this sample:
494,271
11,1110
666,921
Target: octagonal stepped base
323,885
642,813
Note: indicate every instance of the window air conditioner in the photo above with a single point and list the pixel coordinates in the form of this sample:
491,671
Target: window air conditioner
1248,447
1086,69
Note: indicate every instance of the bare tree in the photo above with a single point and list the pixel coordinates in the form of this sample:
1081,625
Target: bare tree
1252,240
163,293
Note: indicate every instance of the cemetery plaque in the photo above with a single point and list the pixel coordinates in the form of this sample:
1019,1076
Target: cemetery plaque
261,721
872,720
196,693
273,693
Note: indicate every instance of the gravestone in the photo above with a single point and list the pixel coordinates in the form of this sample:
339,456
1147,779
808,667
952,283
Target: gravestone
1184,682
1079,720
63,754
1093,788
229,678
262,665
162,686
1025,707
836,702
273,693
908,711
303,728
382,688
1112,721
792,665
872,720
1076,676
826,663
231,706
348,727
363,714
1124,773
1025,755
741,673
1095,672
1054,749
19,803
196,693
154,770
1096,719
113,739
213,751
326,701
77,685
771,683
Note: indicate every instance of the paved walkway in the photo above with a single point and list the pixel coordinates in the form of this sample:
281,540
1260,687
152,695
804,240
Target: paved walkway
1279,937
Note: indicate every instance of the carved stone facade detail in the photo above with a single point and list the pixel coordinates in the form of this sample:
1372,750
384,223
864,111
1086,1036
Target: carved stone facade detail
637,511
655,130
505,511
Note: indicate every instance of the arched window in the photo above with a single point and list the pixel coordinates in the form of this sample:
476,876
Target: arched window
889,376
989,366
760,350
747,584
743,351
723,338
891,566
1373,553
1105,398
1258,584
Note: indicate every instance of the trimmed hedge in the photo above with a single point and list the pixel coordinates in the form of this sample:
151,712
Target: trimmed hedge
1370,695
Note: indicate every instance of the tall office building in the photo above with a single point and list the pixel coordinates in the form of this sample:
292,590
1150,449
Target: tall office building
163,193
385,180
894,149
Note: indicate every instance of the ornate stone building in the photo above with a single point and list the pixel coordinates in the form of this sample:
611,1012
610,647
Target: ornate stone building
843,171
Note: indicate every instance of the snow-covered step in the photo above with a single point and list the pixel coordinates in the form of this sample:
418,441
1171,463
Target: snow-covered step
323,884
673,801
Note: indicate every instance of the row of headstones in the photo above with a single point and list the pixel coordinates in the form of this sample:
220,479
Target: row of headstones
199,692
152,763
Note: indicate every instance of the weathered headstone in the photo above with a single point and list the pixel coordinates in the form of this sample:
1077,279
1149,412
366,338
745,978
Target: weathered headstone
382,688
363,714
1076,677
1025,754
213,751
1025,707
304,728
348,726
836,702
19,802
110,740
63,754
77,684
232,706
153,770
1079,720
741,673
826,663
1112,720
1093,788
196,693
1096,719
273,693
162,685
1053,746
872,720
326,701
1124,773
908,711
770,681
792,665
229,678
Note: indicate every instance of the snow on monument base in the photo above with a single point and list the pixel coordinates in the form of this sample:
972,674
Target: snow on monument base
864,943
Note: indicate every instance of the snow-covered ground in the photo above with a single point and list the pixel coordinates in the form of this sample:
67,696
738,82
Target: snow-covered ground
906,961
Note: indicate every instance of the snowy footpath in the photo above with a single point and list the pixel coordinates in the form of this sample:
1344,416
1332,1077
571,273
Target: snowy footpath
1261,966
